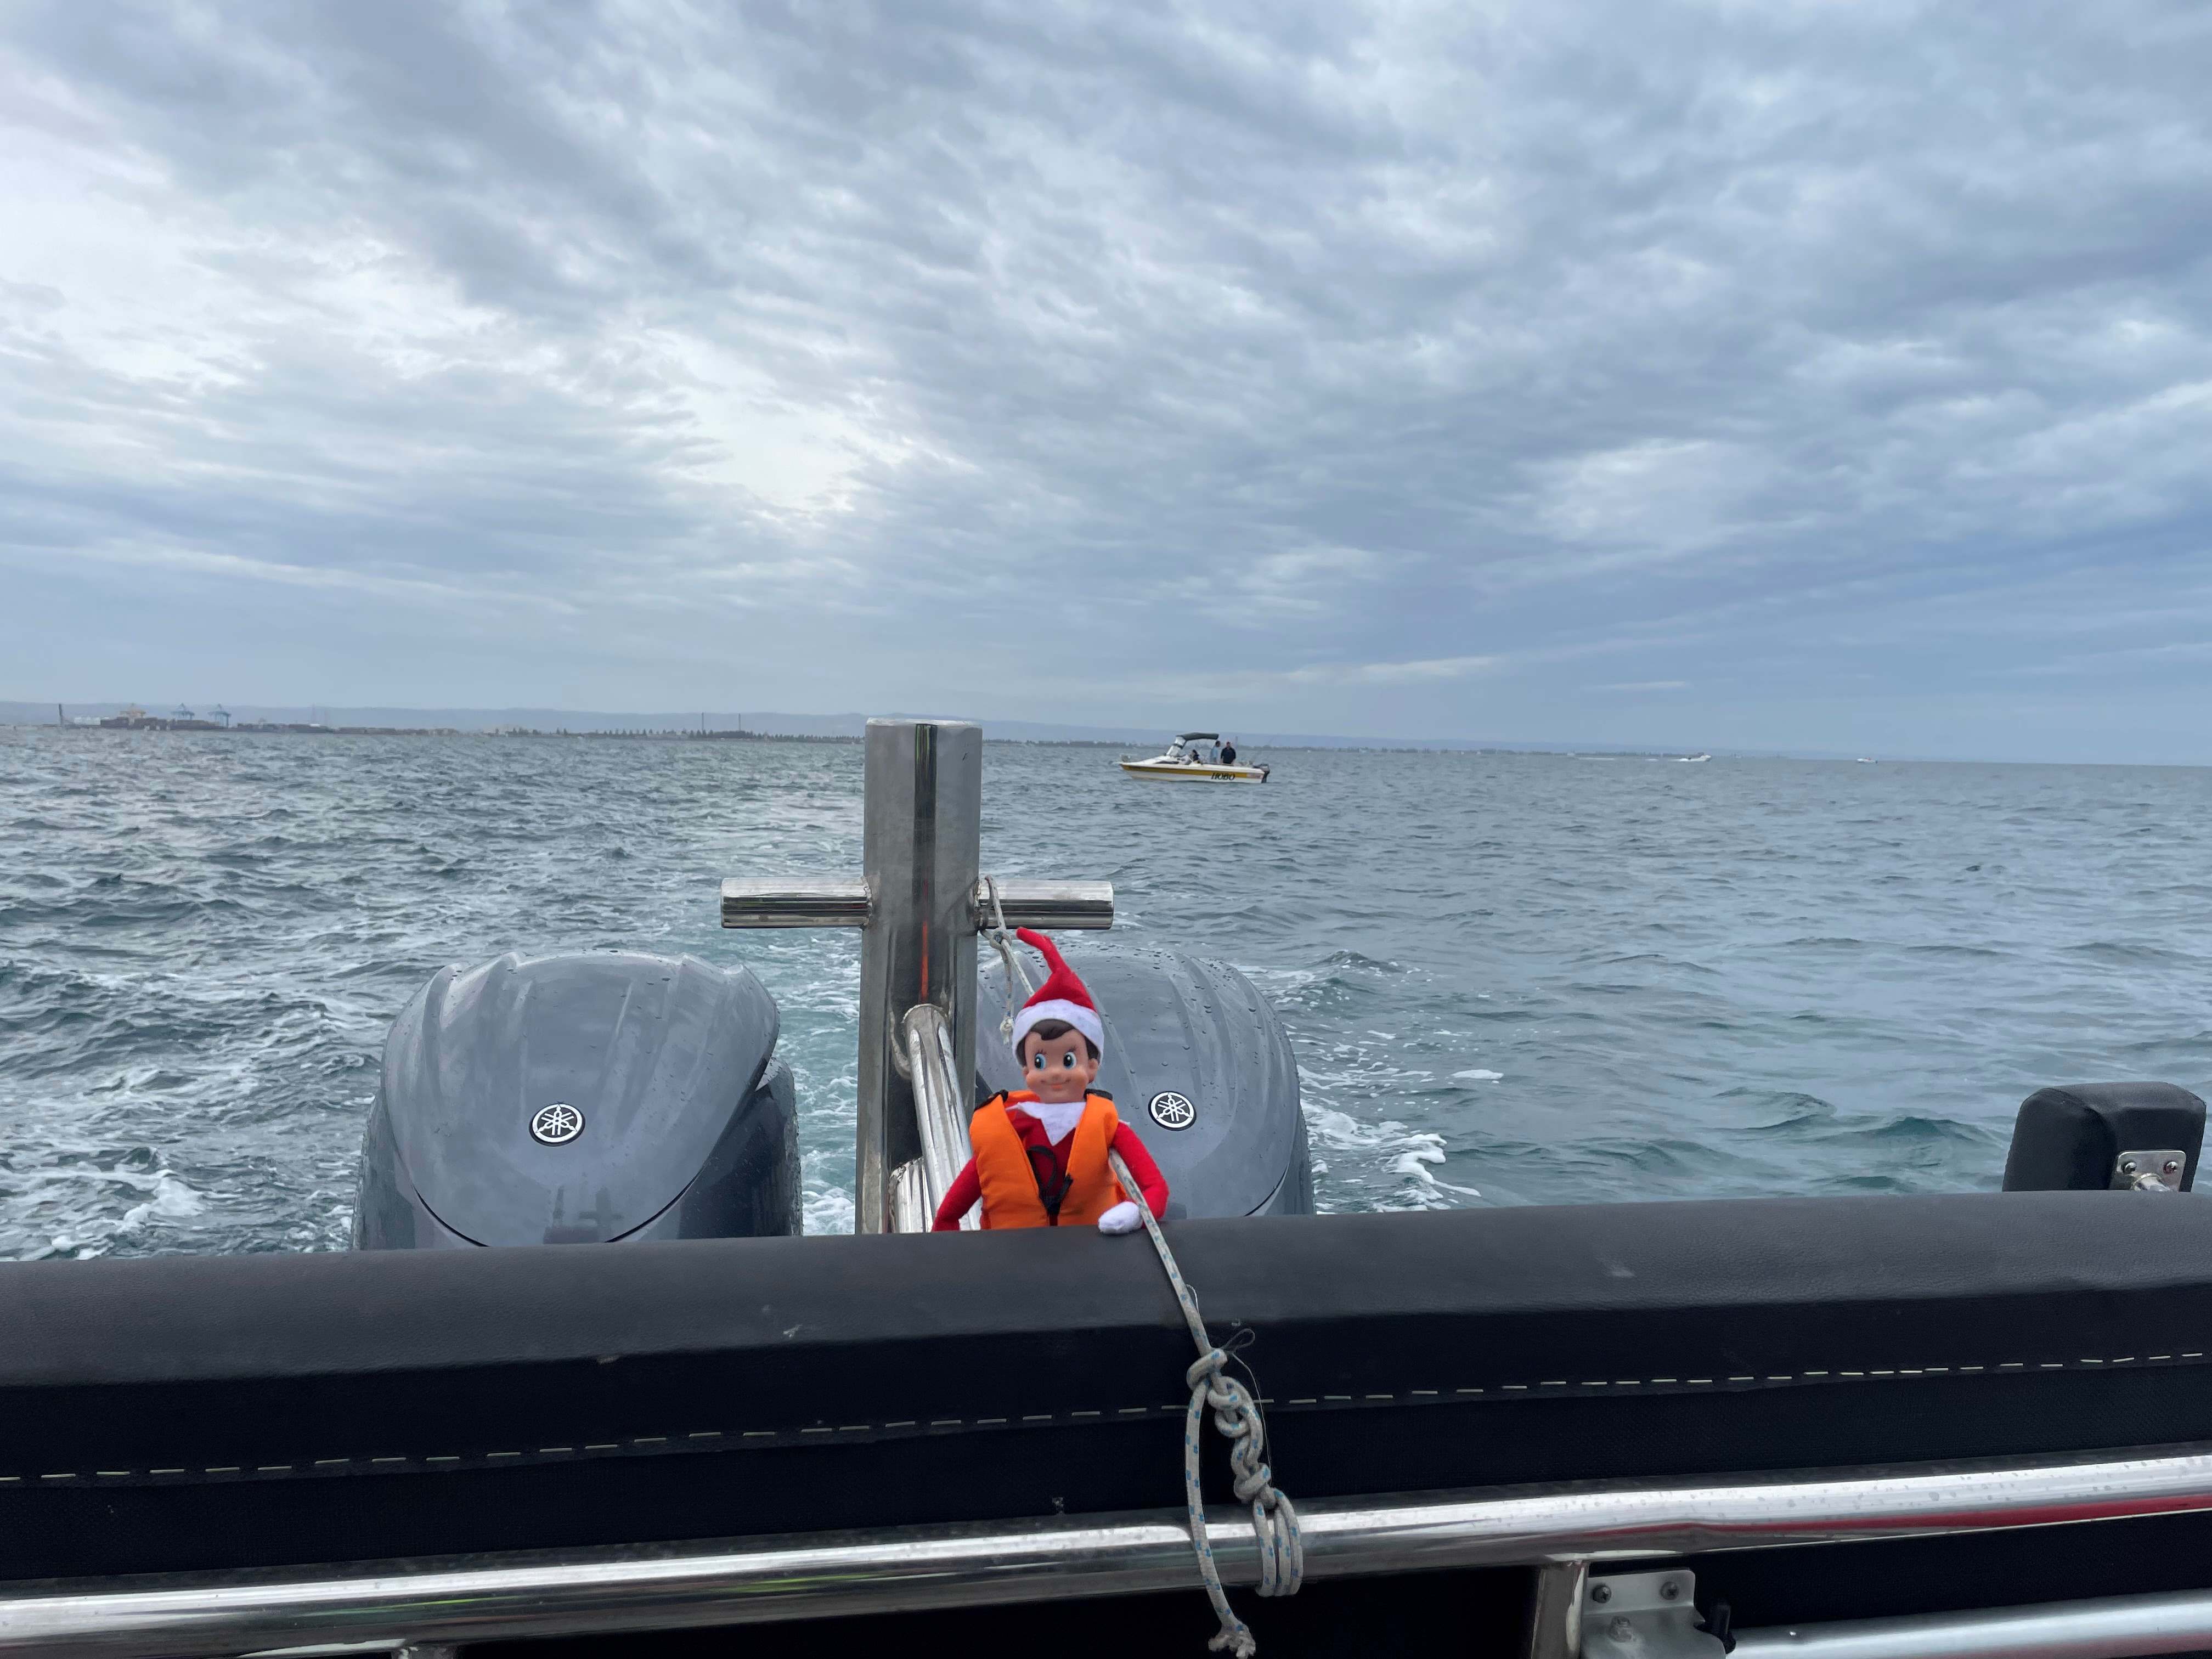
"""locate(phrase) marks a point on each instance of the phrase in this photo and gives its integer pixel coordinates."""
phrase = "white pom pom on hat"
(1061, 997)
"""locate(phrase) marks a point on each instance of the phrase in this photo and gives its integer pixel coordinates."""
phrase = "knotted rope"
(1003, 943)
(1236, 1414)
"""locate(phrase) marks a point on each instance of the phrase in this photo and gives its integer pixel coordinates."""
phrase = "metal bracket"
(1645, 1615)
(2156, 1171)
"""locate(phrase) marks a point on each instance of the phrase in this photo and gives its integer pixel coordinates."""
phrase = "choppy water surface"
(1511, 978)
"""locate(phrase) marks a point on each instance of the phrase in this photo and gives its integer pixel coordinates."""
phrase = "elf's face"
(1059, 1069)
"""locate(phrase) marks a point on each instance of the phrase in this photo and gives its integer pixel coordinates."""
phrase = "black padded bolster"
(183, 1413)
(2071, 1137)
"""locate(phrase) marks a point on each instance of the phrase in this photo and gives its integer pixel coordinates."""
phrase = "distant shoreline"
(848, 725)
(679, 734)
(313, 729)
(759, 725)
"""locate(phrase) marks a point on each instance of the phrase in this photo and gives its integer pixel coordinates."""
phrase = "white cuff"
(1123, 1218)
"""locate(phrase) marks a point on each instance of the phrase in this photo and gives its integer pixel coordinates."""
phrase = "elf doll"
(1040, 1152)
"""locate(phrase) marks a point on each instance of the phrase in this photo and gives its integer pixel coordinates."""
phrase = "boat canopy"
(1198, 736)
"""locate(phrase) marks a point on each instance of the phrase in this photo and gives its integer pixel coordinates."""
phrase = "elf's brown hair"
(1050, 1031)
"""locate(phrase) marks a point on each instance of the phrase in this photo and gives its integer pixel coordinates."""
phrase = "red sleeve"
(1150, 1181)
(960, 1198)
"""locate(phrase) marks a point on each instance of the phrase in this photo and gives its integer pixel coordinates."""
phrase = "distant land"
(779, 724)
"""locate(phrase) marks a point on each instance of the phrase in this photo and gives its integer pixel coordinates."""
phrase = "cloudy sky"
(1746, 373)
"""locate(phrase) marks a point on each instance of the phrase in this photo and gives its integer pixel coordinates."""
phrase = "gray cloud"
(1377, 366)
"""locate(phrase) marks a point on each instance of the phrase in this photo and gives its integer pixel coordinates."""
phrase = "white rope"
(1236, 1414)
(1003, 943)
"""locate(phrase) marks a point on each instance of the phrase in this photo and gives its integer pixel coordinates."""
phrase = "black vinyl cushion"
(2071, 1137)
(181, 1414)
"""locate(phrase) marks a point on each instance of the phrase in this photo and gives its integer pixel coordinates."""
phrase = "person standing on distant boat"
(1040, 1152)
(1229, 752)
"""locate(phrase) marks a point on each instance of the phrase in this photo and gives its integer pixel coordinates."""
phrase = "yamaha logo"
(556, 1124)
(1173, 1111)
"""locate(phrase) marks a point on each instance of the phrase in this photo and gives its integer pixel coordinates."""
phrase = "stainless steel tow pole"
(919, 903)
(921, 841)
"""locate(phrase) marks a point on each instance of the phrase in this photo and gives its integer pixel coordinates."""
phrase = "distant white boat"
(1866, 760)
(1691, 760)
(1181, 762)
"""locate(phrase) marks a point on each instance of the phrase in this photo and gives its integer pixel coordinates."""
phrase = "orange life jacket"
(1010, 1180)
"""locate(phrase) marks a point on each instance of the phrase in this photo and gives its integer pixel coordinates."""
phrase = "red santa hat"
(1061, 997)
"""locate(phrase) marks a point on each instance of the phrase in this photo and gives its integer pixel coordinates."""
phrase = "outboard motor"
(1199, 1064)
(580, 1099)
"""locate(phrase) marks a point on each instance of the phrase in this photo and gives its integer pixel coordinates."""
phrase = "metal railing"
(921, 1183)
(907, 1569)
(2116, 1627)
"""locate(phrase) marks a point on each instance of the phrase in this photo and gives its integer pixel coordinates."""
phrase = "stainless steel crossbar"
(912, 1568)
(1050, 906)
(785, 901)
(833, 902)
(2114, 1628)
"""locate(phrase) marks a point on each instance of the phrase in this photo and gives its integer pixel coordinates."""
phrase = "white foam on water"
(142, 1180)
(1346, 1133)
(1480, 1075)
(172, 1199)
(1413, 1164)
(1379, 1159)
(83, 1192)
(828, 1210)
(1388, 1148)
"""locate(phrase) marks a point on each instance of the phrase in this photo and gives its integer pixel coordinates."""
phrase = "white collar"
(1059, 1119)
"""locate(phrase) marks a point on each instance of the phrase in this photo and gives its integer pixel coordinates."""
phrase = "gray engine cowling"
(1199, 1064)
(581, 1099)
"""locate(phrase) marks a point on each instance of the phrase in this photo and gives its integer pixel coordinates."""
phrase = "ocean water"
(1511, 978)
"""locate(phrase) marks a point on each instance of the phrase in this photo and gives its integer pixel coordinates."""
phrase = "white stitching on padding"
(1320, 1401)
